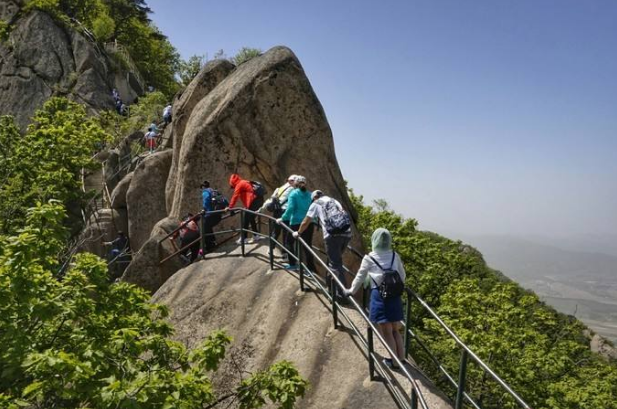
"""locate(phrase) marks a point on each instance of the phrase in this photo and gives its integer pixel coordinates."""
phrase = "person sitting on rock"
(298, 204)
(189, 237)
(167, 114)
(243, 190)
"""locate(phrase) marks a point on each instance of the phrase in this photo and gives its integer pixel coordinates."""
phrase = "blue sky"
(474, 117)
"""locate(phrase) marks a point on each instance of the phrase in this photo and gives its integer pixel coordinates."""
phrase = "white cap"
(316, 194)
(300, 179)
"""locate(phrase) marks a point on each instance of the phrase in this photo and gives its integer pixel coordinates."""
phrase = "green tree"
(46, 162)
(83, 342)
(188, 69)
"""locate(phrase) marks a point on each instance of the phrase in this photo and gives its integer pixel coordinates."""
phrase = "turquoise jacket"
(298, 203)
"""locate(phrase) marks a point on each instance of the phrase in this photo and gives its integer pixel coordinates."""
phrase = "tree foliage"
(188, 69)
(46, 162)
(83, 342)
(245, 54)
(540, 353)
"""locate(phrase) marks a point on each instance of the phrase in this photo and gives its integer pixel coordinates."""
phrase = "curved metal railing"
(462, 397)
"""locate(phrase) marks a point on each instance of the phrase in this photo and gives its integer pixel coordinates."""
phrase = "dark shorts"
(384, 311)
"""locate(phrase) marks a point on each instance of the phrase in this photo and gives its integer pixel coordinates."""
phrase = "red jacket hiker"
(243, 190)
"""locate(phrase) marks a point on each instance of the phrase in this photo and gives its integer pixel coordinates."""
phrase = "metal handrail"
(416, 393)
(467, 352)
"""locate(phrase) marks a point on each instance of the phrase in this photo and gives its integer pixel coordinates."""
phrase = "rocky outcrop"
(42, 58)
(603, 347)
(270, 319)
(118, 196)
(207, 79)
(145, 197)
(262, 120)
(146, 269)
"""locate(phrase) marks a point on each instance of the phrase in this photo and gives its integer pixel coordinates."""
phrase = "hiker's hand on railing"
(295, 234)
(347, 293)
(279, 221)
(227, 209)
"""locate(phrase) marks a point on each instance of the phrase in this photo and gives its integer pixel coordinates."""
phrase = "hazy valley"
(577, 282)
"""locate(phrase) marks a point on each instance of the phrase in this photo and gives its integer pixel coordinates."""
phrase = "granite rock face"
(261, 120)
(41, 59)
(145, 197)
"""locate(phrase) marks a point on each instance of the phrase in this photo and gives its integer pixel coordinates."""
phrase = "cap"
(300, 179)
(316, 194)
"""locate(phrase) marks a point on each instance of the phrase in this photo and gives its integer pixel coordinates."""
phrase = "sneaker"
(239, 241)
(389, 363)
(290, 267)
(250, 241)
(258, 237)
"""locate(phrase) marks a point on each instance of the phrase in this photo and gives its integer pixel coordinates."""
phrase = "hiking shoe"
(389, 363)
(258, 237)
(239, 241)
(293, 267)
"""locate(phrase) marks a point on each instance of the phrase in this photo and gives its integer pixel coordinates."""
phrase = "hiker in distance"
(298, 204)
(386, 273)
(189, 234)
(245, 192)
(335, 226)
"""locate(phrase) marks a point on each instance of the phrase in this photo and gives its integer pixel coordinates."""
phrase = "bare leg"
(387, 334)
(398, 340)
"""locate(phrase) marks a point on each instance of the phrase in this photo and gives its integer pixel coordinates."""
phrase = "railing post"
(271, 243)
(334, 307)
(365, 298)
(300, 269)
(203, 237)
(408, 324)
(414, 398)
(371, 362)
(462, 375)
(242, 231)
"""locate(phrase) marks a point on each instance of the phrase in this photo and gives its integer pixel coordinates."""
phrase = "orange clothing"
(243, 190)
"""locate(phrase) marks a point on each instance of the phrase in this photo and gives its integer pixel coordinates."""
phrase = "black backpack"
(392, 286)
(258, 189)
(219, 202)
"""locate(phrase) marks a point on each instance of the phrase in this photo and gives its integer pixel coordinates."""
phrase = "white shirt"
(167, 110)
(316, 211)
(375, 273)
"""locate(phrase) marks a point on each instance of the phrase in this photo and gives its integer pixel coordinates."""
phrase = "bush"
(245, 54)
(103, 27)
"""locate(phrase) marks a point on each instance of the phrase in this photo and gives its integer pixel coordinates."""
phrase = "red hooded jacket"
(243, 190)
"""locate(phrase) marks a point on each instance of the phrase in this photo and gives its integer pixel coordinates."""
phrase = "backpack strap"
(380, 267)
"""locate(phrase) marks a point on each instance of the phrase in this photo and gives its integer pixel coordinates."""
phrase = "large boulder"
(207, 79)
(145, 198)
(41, 59)
(263, 121)
(146, 269)
(118, 195)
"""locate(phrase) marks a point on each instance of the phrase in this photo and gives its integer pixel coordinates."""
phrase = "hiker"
(277, 204)
(119, 245)
(336, 228)
(244, 190)
(119, 105)
(189, 234)
(299, 202)
(167, 114)
(211, 200)
(153, 127)
(115, 94)
(150, 138)
(386, 307)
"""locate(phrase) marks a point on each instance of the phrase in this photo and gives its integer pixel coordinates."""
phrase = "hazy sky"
(476, 117)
